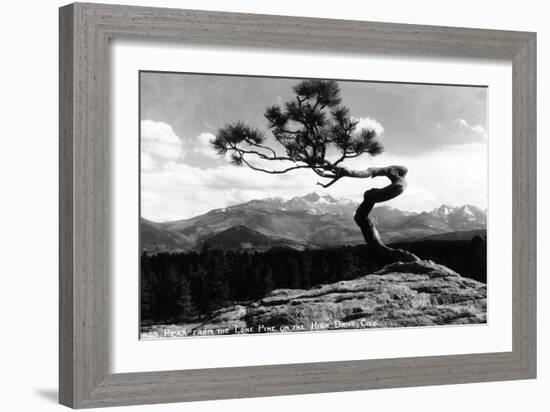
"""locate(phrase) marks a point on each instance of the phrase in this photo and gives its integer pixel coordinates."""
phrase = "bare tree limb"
(273, 172)
(324, 186)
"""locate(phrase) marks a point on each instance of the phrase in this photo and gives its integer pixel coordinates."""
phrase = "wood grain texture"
(524, 225)
(66, 229)
(85, 31)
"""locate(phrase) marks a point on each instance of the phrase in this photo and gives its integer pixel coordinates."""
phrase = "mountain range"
(309, 221)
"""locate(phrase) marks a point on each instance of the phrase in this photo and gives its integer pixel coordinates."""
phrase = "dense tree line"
(183, 287)
(469, 258)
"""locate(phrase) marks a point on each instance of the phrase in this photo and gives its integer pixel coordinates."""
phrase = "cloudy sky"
(438, 132)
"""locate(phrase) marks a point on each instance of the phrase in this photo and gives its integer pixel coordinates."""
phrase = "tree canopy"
(305, 128)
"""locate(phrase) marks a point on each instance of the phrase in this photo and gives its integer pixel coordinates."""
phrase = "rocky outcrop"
(419, 293)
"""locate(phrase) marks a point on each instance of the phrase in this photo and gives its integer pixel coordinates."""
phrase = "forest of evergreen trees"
(185, 287)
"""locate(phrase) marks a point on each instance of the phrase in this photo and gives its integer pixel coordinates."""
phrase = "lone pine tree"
(304, 130)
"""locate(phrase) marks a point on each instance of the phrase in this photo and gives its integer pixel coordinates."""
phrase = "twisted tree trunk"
(398, 184)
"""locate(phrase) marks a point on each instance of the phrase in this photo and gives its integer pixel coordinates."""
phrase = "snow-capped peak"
(443, 210)
(317, 198)
(315, 203)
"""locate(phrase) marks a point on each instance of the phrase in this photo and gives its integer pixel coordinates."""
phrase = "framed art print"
(266, 205)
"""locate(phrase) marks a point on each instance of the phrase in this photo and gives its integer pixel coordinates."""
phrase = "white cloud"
(180, 191)
(454, 174)
(203, 146)
(465, 127)
(369, 123)
(147, 162)
(479, 130)
(159, 141)
(171, 189)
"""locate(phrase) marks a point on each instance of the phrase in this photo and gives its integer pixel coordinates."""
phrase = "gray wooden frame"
(85, 31)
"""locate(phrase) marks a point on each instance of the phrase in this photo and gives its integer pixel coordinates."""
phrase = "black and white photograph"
(284, 205)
